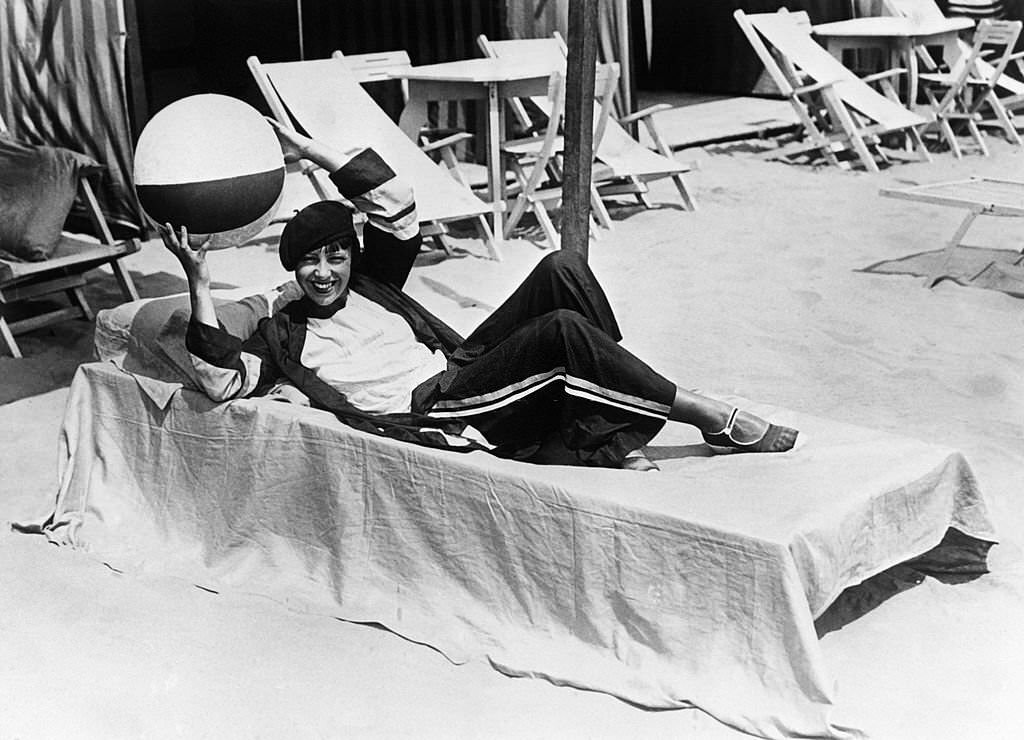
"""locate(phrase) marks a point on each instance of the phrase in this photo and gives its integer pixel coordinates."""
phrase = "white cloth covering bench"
(698, 585)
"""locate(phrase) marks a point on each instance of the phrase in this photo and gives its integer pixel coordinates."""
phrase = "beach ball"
(210, 163)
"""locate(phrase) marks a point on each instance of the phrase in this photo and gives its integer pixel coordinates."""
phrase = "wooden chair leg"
(1003, 116)
(124, 280)
(972, 126)
(545, 222)
(915, 136)
(600, 212)
(483, 229)
(442, 242)
(518, 209)
(857, 142)
(8, 336)
(689, 202)
(77, 298)
(642, 199)
(950, 137)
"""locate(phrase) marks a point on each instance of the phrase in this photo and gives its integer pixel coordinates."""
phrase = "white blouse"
(370, 354)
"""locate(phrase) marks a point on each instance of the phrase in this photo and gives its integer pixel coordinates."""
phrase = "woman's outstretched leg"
(562, 281)
(728, 429)
(725, 429)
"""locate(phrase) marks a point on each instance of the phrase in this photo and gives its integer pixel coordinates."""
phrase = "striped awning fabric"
(62, 72)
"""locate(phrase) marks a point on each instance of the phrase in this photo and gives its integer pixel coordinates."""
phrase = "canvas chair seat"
(325, 98)
(71, 254)
(839, 111)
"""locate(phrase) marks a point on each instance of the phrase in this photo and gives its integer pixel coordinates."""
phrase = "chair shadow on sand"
(976, 267)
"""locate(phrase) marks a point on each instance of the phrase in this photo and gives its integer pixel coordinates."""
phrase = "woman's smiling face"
(323, 274)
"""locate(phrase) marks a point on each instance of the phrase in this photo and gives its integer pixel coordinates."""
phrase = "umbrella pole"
(579, 125)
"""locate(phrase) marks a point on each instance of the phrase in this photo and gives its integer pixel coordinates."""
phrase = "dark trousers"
(543, 378)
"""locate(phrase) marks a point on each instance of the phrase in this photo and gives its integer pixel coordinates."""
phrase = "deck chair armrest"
(814, 87)
(447, 141)
(643, 113)
(440, 131)
(524, 142)
(885, 74)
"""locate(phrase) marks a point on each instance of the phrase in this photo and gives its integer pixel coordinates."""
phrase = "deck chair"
(629, 165)
(1008, 91)
(838, 110)
(959, 95)
(536, 160)
(64, 271)
(326, 100)
(378, 67)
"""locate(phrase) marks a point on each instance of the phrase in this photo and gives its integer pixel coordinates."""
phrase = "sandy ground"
(759, 293)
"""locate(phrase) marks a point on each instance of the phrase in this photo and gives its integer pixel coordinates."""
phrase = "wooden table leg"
(912, 73)
(495, 164)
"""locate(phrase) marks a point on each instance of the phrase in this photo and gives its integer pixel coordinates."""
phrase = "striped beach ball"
(210, 163)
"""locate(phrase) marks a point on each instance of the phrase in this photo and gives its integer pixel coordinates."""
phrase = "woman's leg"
(726, 428)
(560, 281)
(558, 389)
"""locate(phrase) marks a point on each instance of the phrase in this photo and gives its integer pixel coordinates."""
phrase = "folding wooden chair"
(1009, 86)
(629, 165)
(64, 271)
(324, 96)
(535, 160)
(838, 110)
(959, 95)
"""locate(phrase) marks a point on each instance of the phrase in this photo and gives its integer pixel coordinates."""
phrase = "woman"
(542, 379)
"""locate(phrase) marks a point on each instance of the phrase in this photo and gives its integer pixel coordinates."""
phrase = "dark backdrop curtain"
(200, 46)
(698, 47)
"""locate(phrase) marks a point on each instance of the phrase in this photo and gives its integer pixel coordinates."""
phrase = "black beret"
(314, 226)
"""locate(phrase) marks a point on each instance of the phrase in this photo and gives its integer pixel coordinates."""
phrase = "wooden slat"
(45, 319)
(27, 291)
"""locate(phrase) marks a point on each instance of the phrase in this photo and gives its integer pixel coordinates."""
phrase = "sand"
(760, 293)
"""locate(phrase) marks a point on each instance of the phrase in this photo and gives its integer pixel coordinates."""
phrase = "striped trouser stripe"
(487, 402)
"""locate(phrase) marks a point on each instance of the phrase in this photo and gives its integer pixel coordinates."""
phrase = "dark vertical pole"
(579, 125)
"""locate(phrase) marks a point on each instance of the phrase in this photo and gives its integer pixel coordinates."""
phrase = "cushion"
(147, 337)
(37, 188)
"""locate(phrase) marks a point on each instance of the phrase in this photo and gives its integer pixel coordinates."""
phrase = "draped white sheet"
(697, 585)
